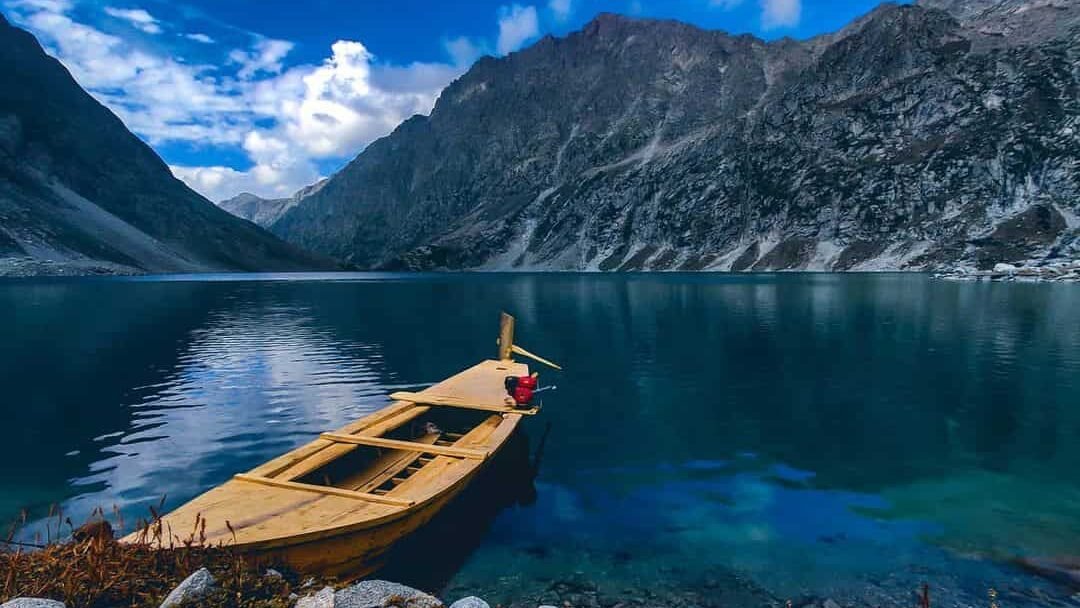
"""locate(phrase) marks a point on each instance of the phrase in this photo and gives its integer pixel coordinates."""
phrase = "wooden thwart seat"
(409, 446)
(449, 401)
(328, 490)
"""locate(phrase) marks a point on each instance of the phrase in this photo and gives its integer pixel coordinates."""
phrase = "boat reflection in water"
(429, 558)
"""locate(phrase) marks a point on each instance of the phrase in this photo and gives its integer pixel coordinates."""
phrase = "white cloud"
(561, 9)
(265, 56)
(137, 17)
(775, 14)
(517, 25)
(197, 37)
(335, 109)
(219, 183)
(463, 51)
(780, 13)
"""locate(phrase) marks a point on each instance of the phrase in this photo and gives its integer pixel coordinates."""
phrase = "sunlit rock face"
(939, 134)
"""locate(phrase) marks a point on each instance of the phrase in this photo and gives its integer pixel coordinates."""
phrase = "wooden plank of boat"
(474, 388)
(329, 490)
(408, 446)
(451, 401)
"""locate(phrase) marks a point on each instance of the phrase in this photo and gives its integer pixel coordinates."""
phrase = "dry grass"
(92, 570)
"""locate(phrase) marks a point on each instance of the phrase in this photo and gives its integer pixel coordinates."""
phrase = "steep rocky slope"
(944, 133)
(79, 193)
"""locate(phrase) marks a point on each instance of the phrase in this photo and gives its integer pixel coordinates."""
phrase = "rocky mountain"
(79, 193)
(943, 133)
(263, 211)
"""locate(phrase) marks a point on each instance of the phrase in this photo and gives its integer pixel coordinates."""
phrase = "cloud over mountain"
(285, 119)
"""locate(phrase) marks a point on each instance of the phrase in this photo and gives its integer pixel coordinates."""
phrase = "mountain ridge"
(913, 138)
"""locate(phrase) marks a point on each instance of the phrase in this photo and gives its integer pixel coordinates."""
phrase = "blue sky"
(268, 96)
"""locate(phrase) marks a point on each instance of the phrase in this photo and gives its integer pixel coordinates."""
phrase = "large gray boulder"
(470, 602)
(194, 588)
(382, 594)
(323, 599)
(32, 602)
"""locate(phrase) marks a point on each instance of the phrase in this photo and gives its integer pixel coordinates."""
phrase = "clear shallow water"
(810, 432)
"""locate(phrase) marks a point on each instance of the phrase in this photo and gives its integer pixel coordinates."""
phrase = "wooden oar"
(517, 350)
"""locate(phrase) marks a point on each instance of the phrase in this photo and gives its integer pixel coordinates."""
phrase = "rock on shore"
(380, 594)
(194, 588)
(470, 602)
(32, 602)
(1059, 272)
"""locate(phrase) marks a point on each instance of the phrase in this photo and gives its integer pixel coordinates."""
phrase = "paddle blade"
(524, 353)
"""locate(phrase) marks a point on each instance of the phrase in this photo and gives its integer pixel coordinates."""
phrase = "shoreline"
(1032, 272)
(1057, 272)
(93, 570)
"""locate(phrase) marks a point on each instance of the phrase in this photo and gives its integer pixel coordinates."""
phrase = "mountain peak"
(243, 197)
(614, 23)
(608, 17)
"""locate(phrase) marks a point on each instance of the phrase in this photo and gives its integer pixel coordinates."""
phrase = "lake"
(760, 436)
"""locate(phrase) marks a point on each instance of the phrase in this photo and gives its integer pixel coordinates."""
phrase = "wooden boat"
(336, 505)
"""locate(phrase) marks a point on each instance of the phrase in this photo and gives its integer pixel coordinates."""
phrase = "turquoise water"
(811, 434)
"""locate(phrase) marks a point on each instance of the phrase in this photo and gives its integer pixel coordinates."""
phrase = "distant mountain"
(263, 211)
(937, 134)
(79, 193)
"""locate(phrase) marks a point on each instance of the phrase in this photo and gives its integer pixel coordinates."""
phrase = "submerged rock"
(323, 599)
(380, 594)
(1063, 570)
(32, 602)
(194, 588)
(470, 602)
